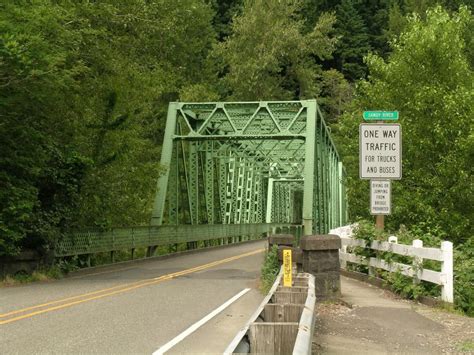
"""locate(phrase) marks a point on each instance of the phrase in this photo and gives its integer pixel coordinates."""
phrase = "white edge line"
(199, 323)
(231, 347)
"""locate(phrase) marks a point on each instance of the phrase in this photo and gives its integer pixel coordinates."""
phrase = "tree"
(428, 79)
(40, 169)
(158, 52)
(336, 95)
(84, 88)
(269, 57)
(225, 10)
(354, 41)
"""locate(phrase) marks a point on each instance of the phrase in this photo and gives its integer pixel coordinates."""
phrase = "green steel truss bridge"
(235, 170)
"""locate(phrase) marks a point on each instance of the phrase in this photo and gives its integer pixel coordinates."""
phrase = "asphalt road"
(135, 308)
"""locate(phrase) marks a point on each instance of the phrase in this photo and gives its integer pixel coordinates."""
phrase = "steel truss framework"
(250, 162)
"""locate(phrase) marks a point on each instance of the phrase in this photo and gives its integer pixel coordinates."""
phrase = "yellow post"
(287, 265)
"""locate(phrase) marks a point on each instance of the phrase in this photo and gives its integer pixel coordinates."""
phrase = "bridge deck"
(135, 308)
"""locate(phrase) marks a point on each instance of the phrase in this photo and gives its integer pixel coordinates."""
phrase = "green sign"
(380, 115)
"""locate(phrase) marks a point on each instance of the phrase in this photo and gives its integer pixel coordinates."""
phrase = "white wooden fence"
(416, 251)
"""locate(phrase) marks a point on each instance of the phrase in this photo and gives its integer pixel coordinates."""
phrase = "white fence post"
(344, 262)
(447, 292)
(418, 253)
(417, 262)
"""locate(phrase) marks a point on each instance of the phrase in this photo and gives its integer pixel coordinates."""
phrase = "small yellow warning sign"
(287, 265)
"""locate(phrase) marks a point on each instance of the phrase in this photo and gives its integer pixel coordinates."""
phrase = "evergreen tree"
(353, 44)
(225, 10)
(375, 14)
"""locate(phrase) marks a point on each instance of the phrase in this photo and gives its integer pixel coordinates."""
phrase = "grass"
(270, 269)
(467, 346)
(45, 274)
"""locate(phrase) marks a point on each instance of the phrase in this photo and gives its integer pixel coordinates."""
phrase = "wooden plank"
(406, 270)
(352, 258)
(432, 276)
(294, 288)
(408, 250)
(301, 280)
(429, 253)
(286, 336)
(272, 338)
(289, 297)
(353, 242)
(300, 284)
(275, 312)
(262, 338)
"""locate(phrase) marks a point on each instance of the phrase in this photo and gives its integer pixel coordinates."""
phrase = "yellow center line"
(66, 299)
(125, 287)
(103, 272)
(78, 296)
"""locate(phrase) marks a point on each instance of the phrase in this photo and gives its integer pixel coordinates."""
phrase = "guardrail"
(284, 321)
(416, 251)
(96, 241)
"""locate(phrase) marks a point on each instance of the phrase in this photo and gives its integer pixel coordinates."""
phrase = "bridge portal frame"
(224, 153)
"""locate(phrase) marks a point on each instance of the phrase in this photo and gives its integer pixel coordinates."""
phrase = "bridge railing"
(96, 241)
(416, 251)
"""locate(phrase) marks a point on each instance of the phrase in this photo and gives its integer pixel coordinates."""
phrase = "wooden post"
(380, 219)
(379, 222)
(344, 262)
(417, 262)
(447, 293)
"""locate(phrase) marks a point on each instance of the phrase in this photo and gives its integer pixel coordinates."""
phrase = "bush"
(431, 237)
(464, 277)
(270, 269)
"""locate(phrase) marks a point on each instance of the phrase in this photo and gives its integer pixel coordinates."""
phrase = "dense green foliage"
(463, 264)
(269, 56)
(270, 269)
(83, 91)
(428, 78)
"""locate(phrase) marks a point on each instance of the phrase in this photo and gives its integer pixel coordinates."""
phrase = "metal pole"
(379, 222)
(310, 148)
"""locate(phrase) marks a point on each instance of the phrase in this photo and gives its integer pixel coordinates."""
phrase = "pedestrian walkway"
(374, 321)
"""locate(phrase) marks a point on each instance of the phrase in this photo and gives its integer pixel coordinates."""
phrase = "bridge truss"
(250, 162)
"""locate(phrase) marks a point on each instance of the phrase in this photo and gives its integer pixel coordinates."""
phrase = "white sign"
(380, 148)
(380, 197)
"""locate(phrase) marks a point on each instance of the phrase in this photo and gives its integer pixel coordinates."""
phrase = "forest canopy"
(84, 88)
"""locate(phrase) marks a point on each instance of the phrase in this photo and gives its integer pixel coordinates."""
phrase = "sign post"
(380, 159)
(287, 268)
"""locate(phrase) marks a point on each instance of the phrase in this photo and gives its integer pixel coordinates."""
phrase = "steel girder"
(250, 162)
